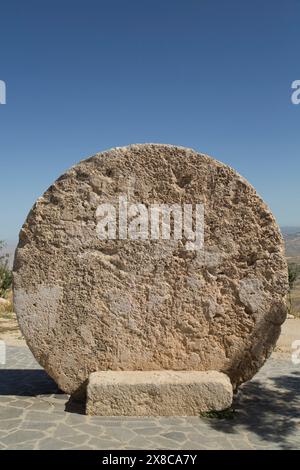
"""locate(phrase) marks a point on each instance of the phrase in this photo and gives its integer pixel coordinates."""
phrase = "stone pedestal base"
(157, 393)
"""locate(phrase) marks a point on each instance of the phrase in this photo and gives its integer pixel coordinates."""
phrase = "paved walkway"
(33, 415)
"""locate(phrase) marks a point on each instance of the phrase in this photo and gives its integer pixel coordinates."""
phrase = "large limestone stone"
(157, 393)
(86, 304)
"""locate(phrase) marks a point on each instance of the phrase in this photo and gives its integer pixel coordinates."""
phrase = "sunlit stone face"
(195, 291)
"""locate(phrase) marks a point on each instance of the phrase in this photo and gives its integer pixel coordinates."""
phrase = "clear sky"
(84, 76)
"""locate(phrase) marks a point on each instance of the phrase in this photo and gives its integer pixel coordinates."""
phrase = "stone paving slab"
(35, 415)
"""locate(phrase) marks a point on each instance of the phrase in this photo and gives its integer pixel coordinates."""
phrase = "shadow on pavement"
(75, 406)
(26, 382)
(271, 410)
(34, 382)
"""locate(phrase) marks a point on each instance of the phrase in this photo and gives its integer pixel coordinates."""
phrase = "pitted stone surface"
(157, 393)
(86, 304)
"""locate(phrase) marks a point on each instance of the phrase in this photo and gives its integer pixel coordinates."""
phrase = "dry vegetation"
(9, 328)
(292, 243)
(295, 295)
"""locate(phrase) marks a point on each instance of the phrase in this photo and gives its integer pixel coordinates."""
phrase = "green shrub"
(5, 273)
(294, 272)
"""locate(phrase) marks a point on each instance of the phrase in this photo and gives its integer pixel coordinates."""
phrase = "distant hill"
(292, 243)
(292, 250)
(290, 230)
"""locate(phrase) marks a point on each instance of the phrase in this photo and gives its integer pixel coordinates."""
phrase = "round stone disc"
(135, 300)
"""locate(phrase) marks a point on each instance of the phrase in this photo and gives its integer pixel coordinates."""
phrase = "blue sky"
(83, 76)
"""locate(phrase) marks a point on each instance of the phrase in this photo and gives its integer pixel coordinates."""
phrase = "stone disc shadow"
(26, 382)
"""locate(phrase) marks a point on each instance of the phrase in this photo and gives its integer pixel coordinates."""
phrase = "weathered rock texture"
(159, 393)
(86, 304)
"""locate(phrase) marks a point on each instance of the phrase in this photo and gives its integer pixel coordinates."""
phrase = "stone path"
(35, 415)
